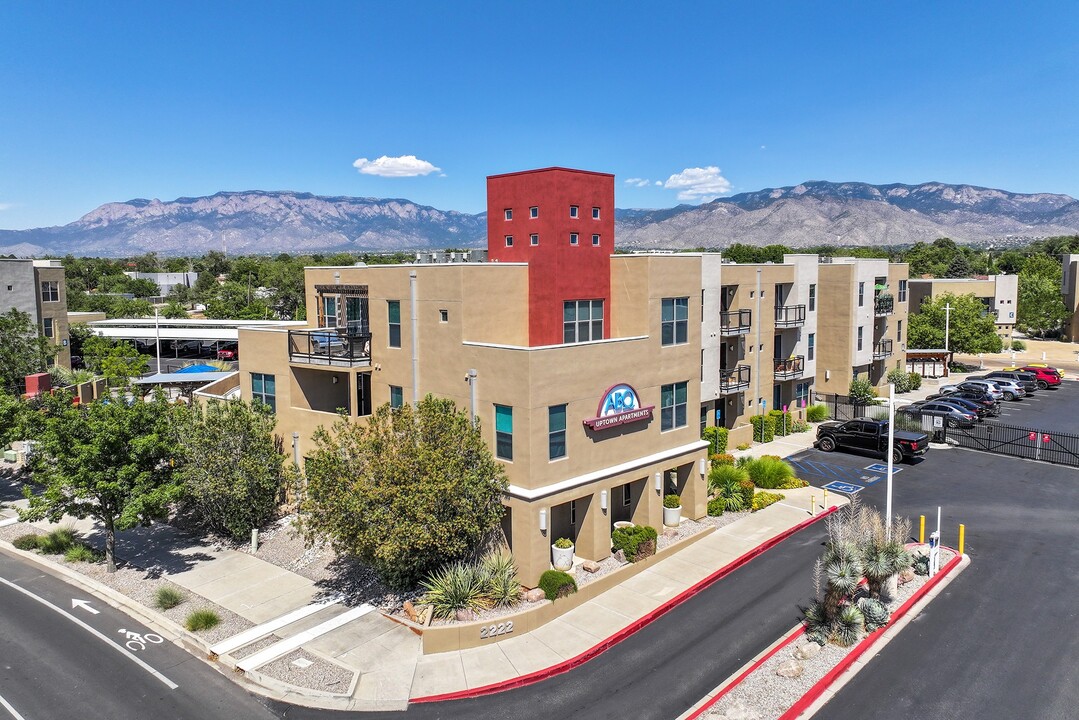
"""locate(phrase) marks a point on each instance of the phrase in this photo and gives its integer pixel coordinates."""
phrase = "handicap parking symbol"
(882, 468)
(846, 488)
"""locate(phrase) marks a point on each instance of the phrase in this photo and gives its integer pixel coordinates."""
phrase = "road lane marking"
(131, 656)
(7, 706)
(252, 634)
(85, 605)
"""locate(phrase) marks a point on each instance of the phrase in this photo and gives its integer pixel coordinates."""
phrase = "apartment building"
(1070, 290)
(37, 288)
(999, 294)
(863, 318)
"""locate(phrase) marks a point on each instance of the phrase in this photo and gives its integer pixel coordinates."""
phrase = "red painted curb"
(567, 665)
(821, 685)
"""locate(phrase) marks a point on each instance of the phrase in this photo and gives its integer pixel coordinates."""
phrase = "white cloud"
(698, 183)
(6, 206)
(637, 182)
(659, 183)
(404, 166)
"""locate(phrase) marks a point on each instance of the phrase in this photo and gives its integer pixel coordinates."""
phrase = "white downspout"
(415, 340)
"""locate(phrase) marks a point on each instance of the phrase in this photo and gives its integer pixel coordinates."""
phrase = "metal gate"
(1021, 442)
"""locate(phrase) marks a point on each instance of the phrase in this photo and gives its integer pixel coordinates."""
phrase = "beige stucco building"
(37, 288)
(999, 294)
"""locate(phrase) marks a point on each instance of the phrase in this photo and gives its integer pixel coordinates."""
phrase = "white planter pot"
(622, 524)
(672, 517)
(562, 559)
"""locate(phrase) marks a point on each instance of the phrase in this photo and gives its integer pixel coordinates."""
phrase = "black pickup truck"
(871, 436)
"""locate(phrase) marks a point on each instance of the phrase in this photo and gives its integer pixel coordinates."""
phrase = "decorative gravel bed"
(257, 646)
(764, 695)
(313, 672)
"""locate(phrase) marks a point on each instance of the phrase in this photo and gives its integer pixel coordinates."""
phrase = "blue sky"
(112, 101)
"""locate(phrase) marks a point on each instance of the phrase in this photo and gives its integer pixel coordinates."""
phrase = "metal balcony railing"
(790, 368)
(790, 316)
(735, 322)
(734, 379)
(882, 350)
(329, 346)
(883, 305)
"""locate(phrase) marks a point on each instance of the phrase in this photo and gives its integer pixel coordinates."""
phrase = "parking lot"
(1050, 409)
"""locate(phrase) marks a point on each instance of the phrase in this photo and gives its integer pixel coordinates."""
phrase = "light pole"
(157, 339)
(947, 323)
(891, 450)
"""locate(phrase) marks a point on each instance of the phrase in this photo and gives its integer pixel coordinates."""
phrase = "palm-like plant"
(725, 481)
(848, 625)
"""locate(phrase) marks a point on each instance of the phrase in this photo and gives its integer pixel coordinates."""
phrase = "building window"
(627, 495)
(811, 346)
(533, 239)
(329, 312)
(902, 291)
(595, 240)
(264, 389)
(50, 291)
(673, 405)
(397, 396)
(556, 431)
(509, 213)
(801, 394)
(899, 331)
(509, 241)
(675, 321)
(363, 394)
(573, 238)
(861, 294)
(503, 432)
(704, 418)
(595, 213)
(812, 297)
(394, 308)
(574, 211)
(443, 315)
(46, 325)
(582, 321)
(860, 329)
(533, 212)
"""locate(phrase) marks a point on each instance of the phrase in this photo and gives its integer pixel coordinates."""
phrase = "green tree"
(959, 267)
(23, 350)
(174, 310)
(117, 361)
(1040, 304)
(971, 328)
(406, 492)
(14, 412)
(231, 466)
(106, 460)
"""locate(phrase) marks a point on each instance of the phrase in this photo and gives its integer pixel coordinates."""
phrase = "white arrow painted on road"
(84, 604)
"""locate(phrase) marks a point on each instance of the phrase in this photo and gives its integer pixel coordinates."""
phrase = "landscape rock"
(590, 566)
(906, 575)
(807, 651)
(790, 669)
(739, 710)
(465, 615)
(426, 614)
(410, 610)
(620, 556)
(534, 595)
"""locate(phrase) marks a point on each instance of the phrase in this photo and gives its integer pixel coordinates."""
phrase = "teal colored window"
(397, 396)
(673, 400)
(394, 309)
(504, 432)
(264, 389)
(556, 431)
(675, 321)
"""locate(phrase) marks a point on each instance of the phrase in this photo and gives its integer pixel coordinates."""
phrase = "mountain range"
(809, 214)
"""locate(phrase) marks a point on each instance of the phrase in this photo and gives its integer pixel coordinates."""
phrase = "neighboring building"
(863, 316)
(999, 294)
(594, 372)
(37, 288)
(166, 281)
(1070, 290)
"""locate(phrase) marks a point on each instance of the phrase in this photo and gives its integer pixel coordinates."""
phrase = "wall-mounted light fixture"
(543, 520)
(336, 277)
(659, 482)
(603, 500)
(703, 469)
(333, 379)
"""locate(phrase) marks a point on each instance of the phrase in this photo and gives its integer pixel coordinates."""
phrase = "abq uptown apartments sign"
(619, 405)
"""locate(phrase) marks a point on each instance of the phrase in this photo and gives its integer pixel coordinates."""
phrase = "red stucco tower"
(561, 222)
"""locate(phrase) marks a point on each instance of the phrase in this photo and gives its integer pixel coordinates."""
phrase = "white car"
(989, 388)
(1011, 389)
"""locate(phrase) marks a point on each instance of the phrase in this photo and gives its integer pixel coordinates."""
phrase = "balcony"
(882, 350)
(790, 316)
(883, 305)
(790, 368)
(735, 322)
(329, 346)
(733, 380)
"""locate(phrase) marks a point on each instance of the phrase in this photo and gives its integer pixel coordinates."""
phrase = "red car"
(229, 353)
(1044, 376)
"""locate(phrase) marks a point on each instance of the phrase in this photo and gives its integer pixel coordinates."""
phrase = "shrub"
(769, 472)
(781, 422)
(861, 391)
(744, 446)
(717, 439)
(915, 381)
(1019, 345)
(899, 378)
(557, 584)
(563, 543)
(747, 489)
(764, 428)
(202, 620)
(817, 413)
(30, 541)
(792, 484)
(81, 553)
(456, 586)
(672, 501)
(799, 426)
(636, 543)
(762, 499)
(58, 541)
(167, 597)
(716, 506)
(722, 459)
(501, 575)
(725, 482)
(848, 626)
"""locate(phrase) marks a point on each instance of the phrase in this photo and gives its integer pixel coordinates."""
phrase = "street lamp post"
(947, 323)
(891, 446)
(157, 339)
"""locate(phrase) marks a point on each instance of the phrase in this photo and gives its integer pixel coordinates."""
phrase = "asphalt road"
(1000, 642)
(1050, 409)
(51, 668)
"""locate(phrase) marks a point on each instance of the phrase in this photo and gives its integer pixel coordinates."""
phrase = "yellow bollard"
(812, 504)
(921, 531)
(962, 535)
(825, 505)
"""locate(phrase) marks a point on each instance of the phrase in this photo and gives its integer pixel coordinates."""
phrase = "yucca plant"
(848, 626)
(817, 626)
(875, 614)
(457, 586)
(725, 481)
(501, 572)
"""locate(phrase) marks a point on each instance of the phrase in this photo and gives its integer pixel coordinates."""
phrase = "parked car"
(1046, 377)
(953, 416)
(228, 352)
(1025, 380)
(1012, 390)
(963, 404)
(1058, 371)
(975, 396)
(983, 386)
(77, 362)
(871, 435)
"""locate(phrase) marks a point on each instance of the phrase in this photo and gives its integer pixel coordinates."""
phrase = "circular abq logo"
(619, 399)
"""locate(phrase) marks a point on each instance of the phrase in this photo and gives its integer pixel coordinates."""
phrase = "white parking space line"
(124, 651)
(7, 706)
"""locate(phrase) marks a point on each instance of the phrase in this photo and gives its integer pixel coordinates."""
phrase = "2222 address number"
(489, 631)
